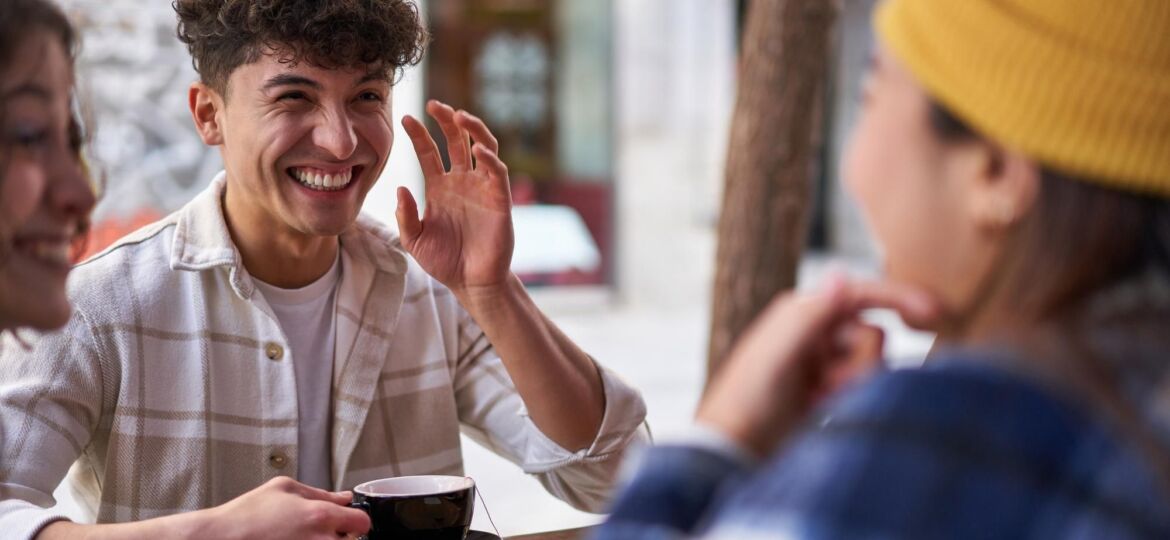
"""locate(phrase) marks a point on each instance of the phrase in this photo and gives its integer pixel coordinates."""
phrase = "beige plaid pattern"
(171, 388)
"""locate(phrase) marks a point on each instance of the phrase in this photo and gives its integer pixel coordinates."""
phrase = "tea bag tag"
(482, 501)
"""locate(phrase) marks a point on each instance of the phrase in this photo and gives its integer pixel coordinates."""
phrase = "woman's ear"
(1002, 186)
(206, 104)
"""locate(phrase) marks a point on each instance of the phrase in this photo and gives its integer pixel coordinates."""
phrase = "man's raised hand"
(465, 240)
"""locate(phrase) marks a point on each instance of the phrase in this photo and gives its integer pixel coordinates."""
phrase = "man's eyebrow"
(376, 75)
(28, 89)
(288, 79)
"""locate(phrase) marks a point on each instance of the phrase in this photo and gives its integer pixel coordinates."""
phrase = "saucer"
(480, 535)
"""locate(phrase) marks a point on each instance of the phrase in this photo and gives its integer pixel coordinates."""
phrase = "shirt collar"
(202, 240)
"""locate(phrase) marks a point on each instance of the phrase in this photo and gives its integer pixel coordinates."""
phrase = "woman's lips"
(51, 251)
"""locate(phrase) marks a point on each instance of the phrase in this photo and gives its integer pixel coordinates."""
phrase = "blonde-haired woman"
(1013, 161)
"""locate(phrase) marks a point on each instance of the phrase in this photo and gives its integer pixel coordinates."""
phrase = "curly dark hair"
(222, 35)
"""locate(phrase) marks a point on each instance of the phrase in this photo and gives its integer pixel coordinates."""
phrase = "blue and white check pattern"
(955, 450)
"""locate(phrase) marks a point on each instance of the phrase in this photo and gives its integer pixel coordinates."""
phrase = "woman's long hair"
(1088, 269)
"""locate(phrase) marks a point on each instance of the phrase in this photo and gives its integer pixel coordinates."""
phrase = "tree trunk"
(771, 158)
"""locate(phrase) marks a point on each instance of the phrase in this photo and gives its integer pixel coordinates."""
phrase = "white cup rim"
(414, 486)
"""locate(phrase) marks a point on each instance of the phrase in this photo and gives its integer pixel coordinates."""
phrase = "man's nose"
(335, 135)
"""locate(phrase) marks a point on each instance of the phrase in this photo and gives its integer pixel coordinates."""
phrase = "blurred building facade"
(618, 111)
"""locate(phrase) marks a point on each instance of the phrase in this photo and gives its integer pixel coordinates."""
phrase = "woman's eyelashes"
(28, 137)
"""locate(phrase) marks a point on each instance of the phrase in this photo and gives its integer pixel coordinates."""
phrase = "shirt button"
(278, 460)
(274, 351)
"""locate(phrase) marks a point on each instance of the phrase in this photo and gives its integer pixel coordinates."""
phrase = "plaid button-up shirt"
(172, 387)
(955, 450)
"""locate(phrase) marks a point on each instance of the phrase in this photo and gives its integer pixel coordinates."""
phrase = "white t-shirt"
(308, 318)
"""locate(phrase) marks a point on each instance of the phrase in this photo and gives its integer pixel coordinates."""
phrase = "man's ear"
(1002, 186)
(206, 105)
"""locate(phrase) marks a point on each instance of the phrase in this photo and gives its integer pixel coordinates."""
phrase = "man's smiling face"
(302, 144)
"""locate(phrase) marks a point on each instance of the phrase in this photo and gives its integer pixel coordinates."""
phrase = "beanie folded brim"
(1070, 107)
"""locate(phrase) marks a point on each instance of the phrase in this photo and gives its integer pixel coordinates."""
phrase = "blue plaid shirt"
(954, 450)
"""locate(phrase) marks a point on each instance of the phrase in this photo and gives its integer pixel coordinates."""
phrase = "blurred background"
(613, 117)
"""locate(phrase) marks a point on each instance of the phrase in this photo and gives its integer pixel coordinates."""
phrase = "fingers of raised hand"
(409, 225)
(424, 147)
(478, 130)
(495, 167)
(458, 140)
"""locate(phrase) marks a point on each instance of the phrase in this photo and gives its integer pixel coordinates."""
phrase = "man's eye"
(372, 96)
(287, 96)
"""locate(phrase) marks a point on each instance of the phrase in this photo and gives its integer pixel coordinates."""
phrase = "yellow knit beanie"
(1082, 86)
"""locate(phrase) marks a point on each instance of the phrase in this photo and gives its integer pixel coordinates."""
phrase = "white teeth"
(326, 182)
(56, 253)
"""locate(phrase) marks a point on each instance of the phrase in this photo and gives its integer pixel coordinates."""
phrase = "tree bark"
(773, 151)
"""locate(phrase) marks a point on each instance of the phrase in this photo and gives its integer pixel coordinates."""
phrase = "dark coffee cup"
(417, 507)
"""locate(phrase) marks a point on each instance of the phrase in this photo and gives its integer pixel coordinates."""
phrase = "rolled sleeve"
(494, 415)
(587, 479)
(621, 424)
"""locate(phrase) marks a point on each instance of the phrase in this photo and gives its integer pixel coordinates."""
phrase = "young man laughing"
(268, 329)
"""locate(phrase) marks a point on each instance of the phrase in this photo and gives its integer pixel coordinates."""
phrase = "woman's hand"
(801, 349)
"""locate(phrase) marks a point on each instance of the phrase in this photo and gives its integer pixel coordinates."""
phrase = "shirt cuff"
(624, 414)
